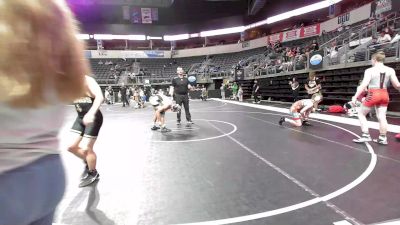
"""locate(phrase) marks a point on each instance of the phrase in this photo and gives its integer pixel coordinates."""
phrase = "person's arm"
(172, 87)
(306, 87)
(395, 82)
(95, 91)
(364, 84)
(305, 109)
(258, 87)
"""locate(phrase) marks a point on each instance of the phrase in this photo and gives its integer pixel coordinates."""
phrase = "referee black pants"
(124, 100)
(183, 99)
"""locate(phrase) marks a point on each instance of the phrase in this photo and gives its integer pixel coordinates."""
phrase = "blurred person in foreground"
(42, 67)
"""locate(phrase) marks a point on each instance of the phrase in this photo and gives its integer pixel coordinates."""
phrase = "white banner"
(146, 15)
(291, 35)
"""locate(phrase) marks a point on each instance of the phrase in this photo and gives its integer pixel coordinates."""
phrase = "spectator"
(333, 52)
(278, 46)
(294, 84)
(314, 46)
(384, 38)
(143, 96)
(234, 90)
(256, 92)
(240, 93)
(34, 90)
(222, 88)
(111, 92)
(389, 31)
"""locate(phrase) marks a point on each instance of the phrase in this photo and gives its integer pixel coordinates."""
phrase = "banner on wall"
(310, 31)
(154, 14)
(343, 18)
(146, 15)
(291, 35)
(316, 60)
(136, 15)
(275, 37)
(296, 34)
(239, 74)
(155, 54)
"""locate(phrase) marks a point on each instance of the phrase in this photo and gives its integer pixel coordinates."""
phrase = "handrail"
(348, 32)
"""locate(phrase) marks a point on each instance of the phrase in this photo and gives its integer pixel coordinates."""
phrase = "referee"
(180, 90)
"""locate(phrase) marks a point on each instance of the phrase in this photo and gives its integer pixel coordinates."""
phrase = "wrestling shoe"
(165, 130)
(155, 128)
(306, 123)
(363, 138)
(178, 122)
(85, 172)
(90, 178)
(281, 120)
(381, 140)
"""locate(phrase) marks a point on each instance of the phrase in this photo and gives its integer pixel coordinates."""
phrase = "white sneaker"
(363, 138)
(382, 141)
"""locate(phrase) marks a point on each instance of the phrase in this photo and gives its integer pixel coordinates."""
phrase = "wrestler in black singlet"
(82, 107)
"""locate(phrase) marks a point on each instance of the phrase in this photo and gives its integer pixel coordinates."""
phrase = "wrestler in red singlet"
(376, 79)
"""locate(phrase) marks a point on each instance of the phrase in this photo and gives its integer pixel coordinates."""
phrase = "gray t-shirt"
(28, 134)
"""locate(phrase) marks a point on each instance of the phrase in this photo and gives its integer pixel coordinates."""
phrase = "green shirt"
(235, 88)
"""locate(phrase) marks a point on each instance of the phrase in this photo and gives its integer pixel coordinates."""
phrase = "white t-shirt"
(28, 134)
(384, 39)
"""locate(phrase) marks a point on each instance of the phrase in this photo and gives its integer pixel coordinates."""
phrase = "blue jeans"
(30, 194)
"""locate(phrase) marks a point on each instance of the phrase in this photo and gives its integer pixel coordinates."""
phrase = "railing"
(344, 35)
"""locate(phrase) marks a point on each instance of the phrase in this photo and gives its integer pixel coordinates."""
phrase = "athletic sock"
(92, 172)
(365, 134)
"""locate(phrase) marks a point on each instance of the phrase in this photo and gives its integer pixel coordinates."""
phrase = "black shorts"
(91, 131)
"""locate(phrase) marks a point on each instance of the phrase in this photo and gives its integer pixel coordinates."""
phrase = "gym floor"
(235, 165)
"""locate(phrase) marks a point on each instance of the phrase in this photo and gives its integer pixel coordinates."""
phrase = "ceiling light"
(82, 36)
(176, 37)
(301, 11)
(230, 30)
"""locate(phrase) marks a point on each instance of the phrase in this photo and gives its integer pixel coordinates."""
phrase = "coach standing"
(180, 90)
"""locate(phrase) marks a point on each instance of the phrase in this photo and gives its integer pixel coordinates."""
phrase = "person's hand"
(88, 119)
